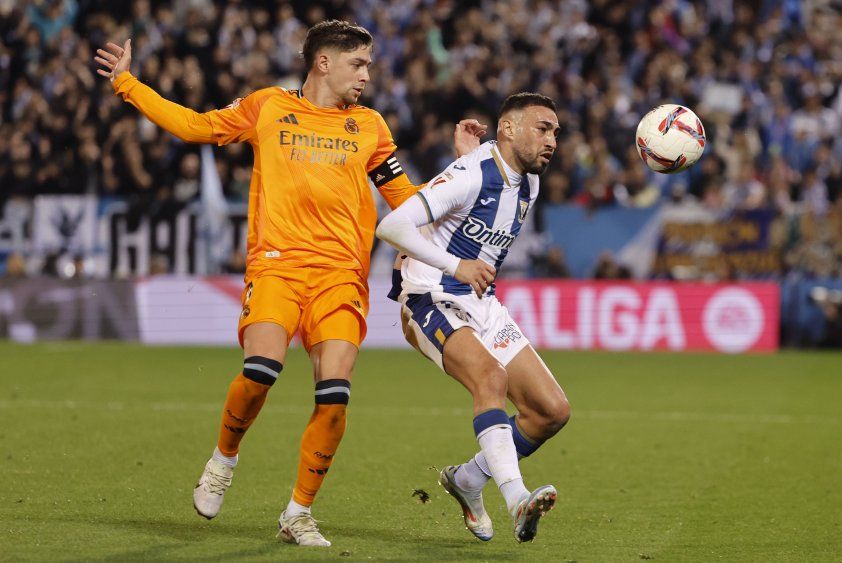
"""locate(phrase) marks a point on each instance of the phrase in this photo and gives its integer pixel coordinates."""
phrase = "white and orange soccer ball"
(670, 138)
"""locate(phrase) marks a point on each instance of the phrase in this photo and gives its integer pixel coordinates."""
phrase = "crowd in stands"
(764, 76)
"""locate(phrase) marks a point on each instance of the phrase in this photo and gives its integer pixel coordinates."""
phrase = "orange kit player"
(311, 226)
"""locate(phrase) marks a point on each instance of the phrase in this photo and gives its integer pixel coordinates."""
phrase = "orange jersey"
(310, 202)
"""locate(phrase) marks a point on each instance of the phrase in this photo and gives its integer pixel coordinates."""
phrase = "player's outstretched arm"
(115, 58)
(184, 123)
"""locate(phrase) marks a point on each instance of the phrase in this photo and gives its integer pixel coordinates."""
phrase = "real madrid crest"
(351, 126)
(524, 207)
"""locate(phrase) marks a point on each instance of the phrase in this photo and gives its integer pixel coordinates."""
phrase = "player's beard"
(533, 165)
(538, 167)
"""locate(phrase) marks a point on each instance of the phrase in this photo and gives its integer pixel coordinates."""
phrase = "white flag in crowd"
(214, 217)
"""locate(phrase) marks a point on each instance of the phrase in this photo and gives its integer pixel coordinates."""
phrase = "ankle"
(514, 492)
(229, 461)
(294, 509)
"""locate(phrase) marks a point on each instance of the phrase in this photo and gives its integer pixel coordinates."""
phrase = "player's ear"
(323, 62)
(506, 127)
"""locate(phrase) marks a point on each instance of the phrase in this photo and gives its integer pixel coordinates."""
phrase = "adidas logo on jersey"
(478, 231)
(289, 119)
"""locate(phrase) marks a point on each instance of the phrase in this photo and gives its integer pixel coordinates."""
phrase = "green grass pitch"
(667, 457)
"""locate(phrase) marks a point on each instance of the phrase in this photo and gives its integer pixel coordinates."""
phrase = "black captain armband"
(386, 172)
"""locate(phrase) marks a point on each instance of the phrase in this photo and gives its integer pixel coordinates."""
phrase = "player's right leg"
(270, 315)
(427, 325)
(264, 346)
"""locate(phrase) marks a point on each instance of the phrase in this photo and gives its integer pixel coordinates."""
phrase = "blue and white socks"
(494, 434)
(474, 473)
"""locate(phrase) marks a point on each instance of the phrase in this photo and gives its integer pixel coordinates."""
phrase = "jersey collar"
(505, 170)
(300, 94)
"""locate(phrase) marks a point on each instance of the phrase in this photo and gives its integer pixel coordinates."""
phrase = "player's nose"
(551, 143)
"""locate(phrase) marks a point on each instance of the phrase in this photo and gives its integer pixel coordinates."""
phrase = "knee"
(557, 415)
(552, 417)
(260, 372)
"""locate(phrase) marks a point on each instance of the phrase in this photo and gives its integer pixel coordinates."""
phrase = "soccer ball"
(670, 138)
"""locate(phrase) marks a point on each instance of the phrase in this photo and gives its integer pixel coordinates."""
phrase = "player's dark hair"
(335, 34)
(524, 100)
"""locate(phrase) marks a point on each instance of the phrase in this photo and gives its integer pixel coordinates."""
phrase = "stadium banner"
(64, 223)
(34, 309)
(564, 315)
(570, 315)
(618, 316)
(630, 234)
(707, 243)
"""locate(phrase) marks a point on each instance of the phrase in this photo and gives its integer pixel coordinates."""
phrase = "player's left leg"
(542, 411)
(333, 362)
(332, 332)
(542, 406)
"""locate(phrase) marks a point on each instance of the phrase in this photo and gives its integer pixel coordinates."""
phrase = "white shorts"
(429, 318)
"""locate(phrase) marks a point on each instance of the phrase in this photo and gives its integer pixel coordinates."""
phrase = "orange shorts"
(323, 304)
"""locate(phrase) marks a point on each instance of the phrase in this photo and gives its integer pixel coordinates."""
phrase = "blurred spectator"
(763, 76)
(607, 268)
(186, 186)
(15, 266)
(814, 193)
(551, 265)
(829, 301)
(745, 191)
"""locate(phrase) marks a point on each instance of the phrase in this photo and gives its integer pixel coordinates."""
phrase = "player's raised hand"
(475, 273)
(115, 58)
(467, 134)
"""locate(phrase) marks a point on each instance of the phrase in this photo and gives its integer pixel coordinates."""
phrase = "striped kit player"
(476, 208)
(456, 232)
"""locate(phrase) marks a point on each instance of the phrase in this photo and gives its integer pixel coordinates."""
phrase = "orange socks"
(246, 396)
(321, 438)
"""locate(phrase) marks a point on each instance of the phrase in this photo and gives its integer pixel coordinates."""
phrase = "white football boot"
(210, 490)
(301, 530)
(530, 510)
(476, 518)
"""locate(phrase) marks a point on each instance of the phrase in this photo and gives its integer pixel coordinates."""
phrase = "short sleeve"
(452, 189)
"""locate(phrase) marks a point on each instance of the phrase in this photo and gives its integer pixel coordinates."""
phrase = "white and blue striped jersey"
(476, 207)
